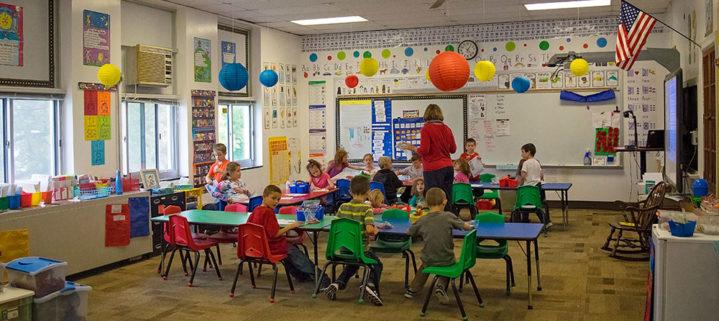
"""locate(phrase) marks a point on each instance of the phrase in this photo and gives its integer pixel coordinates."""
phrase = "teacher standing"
(436, 147)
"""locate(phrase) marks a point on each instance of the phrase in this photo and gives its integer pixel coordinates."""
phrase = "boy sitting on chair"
(297, 263)
(435, 229)
(358, 210)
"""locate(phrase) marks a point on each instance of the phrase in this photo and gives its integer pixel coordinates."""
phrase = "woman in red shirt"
(436, 147)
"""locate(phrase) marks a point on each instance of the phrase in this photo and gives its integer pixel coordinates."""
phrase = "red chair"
(253, 247)
(181, 237)
(236, 207)
(227, 235)
(294, 237)
(168, 210)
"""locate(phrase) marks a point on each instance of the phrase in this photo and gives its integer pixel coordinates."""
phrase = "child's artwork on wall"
(98, 152)
(11, 44)
(96, 110)
(95, 38)
(201, 60)
(279, 160)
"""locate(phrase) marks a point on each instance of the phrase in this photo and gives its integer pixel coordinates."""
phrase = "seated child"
(461, 171)
(531, 173)
(217, 170)
(417, 199)
(296, 262)
(436, 226)
(376, 200)
(232, 189)
(318, 179)
(414, 172)
(475, 162)
(369, 168)
(358, 210)
(389, 179)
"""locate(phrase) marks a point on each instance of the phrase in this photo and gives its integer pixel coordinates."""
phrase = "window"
(31, 136)
(150, 137)
(236, 129)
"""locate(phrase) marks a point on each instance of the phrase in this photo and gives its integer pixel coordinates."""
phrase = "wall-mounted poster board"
(234, 47)
(377, 124)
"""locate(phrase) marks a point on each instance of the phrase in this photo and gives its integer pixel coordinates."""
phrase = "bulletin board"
(233, 47)
(27, 57)
(377, 124)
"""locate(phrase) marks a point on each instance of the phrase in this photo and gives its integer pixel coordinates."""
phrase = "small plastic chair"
(396, 243)
(467, 259)
(344, 247)
(168, 210)
(182, 237)
(498, 250)
(529, 200)
(236, 207)
(490, 194)
(255, 201)
(253, 247)
(462, 197)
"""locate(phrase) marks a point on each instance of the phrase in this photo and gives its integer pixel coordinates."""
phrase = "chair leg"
(259, 270)
(214, 262)
(189, 260)
(616, 243)
(252, 274)
(197, 262)
(289, 278)
(414, 262)
(461, 281)
(406, 269)
(162, 257)
(476, 290)
(237, 275)
(219, 256)
(317, 285)
(204, 267)
(334, 272)
(511, 269)
(609, 239)
(169, 263)
(429, 294)
(365, 280)
(274, 283)
(184, 263)
(459, 301)
(304, 248)
(499, 205)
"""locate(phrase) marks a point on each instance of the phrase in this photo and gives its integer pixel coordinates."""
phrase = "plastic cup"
(26, 200)
(47, 197)
(35, 199)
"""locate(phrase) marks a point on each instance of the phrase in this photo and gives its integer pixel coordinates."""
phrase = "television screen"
(673, 129)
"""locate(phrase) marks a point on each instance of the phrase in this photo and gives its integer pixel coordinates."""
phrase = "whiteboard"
(354, 119)
(562, 131)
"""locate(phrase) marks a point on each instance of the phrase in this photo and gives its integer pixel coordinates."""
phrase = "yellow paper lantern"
(484, 70)
(109, 75)
(369, 67)
(426, 74)
(579, 67)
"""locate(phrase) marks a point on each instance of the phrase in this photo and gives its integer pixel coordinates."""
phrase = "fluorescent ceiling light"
(329, 21)
(567, 4)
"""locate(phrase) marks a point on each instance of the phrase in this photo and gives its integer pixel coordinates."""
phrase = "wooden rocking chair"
(638, 219)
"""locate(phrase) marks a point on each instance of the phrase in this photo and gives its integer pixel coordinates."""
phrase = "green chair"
(490, 194)
(467, 259)
(529, 200)
(344, 247)
(396, 243)
(498, 250)
(462, 197)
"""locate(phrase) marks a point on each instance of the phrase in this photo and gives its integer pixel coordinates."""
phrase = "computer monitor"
(673, 129)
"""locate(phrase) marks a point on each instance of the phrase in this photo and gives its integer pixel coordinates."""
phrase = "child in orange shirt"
(217, 170)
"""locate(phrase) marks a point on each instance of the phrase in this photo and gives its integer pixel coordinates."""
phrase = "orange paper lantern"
(351, 81)
(449, 71)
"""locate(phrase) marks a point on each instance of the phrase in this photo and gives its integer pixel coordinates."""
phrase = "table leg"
(536, 260)
(529, 274)
(565, 208)
(314, 245)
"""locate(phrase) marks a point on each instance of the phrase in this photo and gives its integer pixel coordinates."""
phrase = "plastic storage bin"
(319, 213)
(15, 304)
(682, 230)
(42, 275)
(299, 187)
(68, 304)
(14, 202)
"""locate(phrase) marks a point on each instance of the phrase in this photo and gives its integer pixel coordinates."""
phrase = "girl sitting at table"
(376, 200)
(318, 179)
(417, 199)
(232, 189)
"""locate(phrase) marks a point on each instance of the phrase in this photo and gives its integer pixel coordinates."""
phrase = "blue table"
(562, 188)
(528, 232)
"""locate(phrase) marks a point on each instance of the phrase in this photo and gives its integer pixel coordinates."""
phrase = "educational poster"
(202, 62)
(117, 225)
(229, 52)
(318, 131)
(406, 130)
(557, 80)
(570, 80)
(477, 111)
(95, 38)
(279, 160)
(98, 152)
(644, 96)
(318, 92)
(504, 82)
(598, 79)
(96, 111)
(502, 127)
(382, 127)
(708, 17)
(356, 137)
(11, 35)
(544, 81)
(612, 78)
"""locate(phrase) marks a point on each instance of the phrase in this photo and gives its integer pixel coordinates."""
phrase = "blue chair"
(343, 190)
(255, 201)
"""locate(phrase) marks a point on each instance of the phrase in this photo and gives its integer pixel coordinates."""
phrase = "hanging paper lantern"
(521, 84)
(426, 74)
(268, 78)
(579, 67)
(351, 81)
(449, 71)
(109, 75)
(484, 70)
(233, 76)
(369, 67)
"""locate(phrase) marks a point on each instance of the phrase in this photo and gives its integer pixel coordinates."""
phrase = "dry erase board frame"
(404, 97)
(35, 81)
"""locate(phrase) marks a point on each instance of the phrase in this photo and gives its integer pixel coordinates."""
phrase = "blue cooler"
(38, 274)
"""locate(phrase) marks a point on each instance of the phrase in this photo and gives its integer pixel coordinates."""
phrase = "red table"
(296, 199)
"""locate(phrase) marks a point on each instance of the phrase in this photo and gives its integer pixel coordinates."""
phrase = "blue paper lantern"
(521, 84)
(268, 78)
(700, 187)
(233, 76)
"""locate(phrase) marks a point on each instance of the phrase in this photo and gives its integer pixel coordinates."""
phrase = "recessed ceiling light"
(327, 21)
(567, 4)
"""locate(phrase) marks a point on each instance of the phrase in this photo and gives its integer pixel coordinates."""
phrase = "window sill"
(251, 167)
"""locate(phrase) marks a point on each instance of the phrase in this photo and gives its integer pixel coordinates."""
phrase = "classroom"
(347, 160)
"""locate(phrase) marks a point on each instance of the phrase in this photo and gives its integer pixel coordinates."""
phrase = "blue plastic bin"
(319, 214)
(682, 230)
(14, 202)
(38, 274)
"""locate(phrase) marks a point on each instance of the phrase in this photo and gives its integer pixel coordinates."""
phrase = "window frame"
(166, 174)
(231, 104)
(7, 133)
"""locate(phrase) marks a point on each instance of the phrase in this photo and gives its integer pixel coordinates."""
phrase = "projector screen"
(673, 129)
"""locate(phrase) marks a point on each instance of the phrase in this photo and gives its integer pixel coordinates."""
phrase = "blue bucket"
(682, 230)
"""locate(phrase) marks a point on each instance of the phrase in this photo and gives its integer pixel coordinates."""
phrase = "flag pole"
(668, 26)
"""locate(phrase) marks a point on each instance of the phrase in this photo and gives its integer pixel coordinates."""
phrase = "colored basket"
(682, 230)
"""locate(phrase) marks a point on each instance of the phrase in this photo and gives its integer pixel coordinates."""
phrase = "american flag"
(634, 28)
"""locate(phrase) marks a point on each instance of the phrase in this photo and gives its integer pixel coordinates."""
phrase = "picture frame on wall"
(150, 178)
